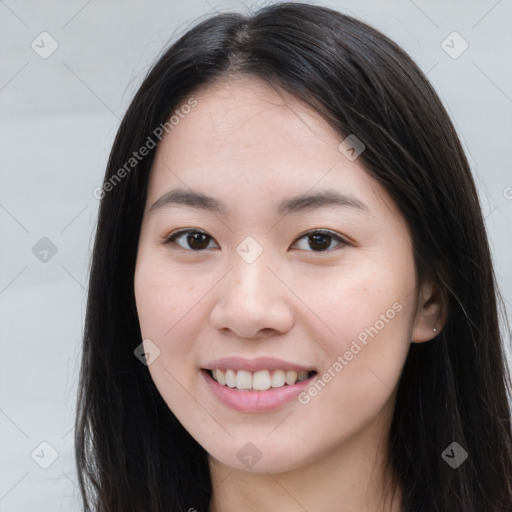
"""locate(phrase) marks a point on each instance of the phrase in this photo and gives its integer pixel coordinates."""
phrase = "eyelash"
(171, 239)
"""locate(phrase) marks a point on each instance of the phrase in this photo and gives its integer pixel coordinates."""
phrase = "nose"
(252, 302)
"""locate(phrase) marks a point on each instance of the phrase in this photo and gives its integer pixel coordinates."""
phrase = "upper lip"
(254, 365)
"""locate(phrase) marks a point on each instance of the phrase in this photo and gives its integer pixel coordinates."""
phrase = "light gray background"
(59, 118)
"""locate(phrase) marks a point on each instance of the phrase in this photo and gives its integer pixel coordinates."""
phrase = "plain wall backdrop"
(67, 73)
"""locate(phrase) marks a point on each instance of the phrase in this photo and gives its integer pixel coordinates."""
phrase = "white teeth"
(230, 378)
(261, 380)
(243, 380)
(220, 377)
(258, 381)
(291, 377)
(278, 378)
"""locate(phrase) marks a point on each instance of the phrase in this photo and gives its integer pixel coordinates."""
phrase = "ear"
(432, 313)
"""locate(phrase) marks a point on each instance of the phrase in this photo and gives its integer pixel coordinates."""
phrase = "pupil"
(196, 240)
(319, 239)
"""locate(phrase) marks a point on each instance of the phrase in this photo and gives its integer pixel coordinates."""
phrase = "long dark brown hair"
(131, 452)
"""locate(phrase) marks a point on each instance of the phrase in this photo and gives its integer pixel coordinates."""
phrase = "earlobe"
(432, 313)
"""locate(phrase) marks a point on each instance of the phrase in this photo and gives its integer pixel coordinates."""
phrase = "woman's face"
(297, 261)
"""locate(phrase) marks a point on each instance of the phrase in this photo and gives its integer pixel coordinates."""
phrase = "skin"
(251, 147)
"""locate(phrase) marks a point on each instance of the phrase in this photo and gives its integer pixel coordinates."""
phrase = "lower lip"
(256, 401)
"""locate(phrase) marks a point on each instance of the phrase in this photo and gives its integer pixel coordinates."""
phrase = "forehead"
(243, 136)
(247, 110)
(245, 118)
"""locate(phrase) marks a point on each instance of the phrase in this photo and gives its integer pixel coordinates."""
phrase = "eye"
(319, 240)
(195, 239)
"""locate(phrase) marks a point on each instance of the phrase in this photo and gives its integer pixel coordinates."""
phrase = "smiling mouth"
(262, 380)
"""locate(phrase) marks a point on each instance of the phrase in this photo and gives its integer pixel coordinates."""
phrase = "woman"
(292, 304)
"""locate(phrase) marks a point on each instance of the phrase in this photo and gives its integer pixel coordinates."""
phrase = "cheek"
(163, 297)
(369, 313)
(361, 302)
(168, 307)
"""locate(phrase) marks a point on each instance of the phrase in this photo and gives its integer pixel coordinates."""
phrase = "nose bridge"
(250, 261)
(249, 280)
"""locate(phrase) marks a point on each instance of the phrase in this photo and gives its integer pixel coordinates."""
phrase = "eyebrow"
(294, 204)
